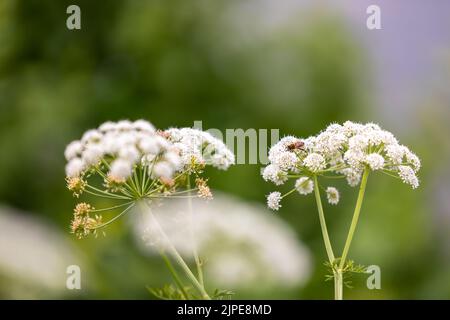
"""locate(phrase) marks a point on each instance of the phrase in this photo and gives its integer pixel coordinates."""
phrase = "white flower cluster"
(273, 200)
(200, 148)
(120, 146)
(347, 150)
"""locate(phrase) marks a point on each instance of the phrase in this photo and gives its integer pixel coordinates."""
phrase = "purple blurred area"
(406, 55)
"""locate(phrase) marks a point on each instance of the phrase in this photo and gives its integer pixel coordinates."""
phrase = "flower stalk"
(323, 225)
(145, 208)
(198, 262)
(351, 231)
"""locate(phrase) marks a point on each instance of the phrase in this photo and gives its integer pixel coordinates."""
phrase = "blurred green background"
(230, 65)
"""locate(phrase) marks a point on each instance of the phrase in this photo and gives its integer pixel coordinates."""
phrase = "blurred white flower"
(244, 244)
(33, 257)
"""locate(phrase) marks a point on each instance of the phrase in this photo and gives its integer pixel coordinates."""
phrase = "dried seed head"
(83, 226)
(82, 209)
(76, 185)
(203, 189)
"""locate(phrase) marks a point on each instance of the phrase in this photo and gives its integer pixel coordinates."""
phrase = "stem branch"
(173, 251)
(323, 225)
(354, 222)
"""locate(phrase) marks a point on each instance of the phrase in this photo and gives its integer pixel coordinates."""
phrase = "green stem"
(338, 285)
(116, 217)
(289, 192)
(354, 222)
(175, 276)
(112, 208)
(194, 243)
(173, 251)
(323, 225)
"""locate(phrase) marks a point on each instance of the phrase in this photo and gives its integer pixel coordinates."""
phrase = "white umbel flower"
(304, 185)
(408, 176)
(143, 125)
(413, 160)
(130, 153)
(314, 162)
(200, 148)
(163, 169)
(395, 153)
(91, 136)
(286, 160)
(332, 195)
(120, 170)
(375, 161)
(92, 154)
(73, 150)
(74, 168)
(149, 146)
(274, 174)
(346, 150)
(122, 145)
(273, 200)
(353, 176)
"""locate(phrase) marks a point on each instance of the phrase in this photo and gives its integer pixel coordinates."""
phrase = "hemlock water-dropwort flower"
(134, 165)
(350, 151)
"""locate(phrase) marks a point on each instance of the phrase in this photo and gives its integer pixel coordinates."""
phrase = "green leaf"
(220, 294)
(170, 292)
(349, 268)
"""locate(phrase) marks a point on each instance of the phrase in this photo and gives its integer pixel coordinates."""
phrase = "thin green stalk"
(111, 195)
(104, 195)
(175, 275)
(144, 179)
(136, 182)
(116, 217)
(354, 222)
(323, 225)
(288, 193)
(194, 243)
(112, 208)
(173, 251)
